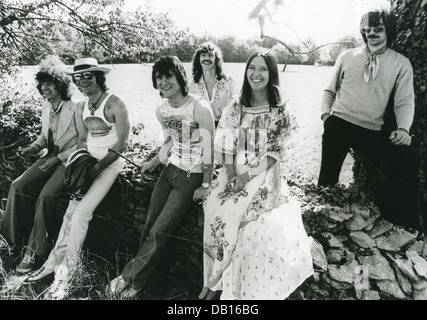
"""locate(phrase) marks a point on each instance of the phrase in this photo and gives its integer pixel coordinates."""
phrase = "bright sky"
(322, 20)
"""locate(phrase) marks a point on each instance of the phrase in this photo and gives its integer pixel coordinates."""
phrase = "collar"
(59, 107)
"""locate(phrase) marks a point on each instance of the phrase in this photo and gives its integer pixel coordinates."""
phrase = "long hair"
(197, 66)
(168, 66)
(372, 19)
(51, 69)
(274, 97)
(101, 79)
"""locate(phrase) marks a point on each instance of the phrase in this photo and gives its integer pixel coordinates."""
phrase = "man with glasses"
(102, 123)
(209, 81)
(365, 81)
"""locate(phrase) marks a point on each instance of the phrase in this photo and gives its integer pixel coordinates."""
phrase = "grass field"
(302, 88)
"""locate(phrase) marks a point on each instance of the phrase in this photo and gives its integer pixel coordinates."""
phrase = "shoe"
(129, 293)
(27, 264)
(39, 274)
(117, 285)
(59, 290)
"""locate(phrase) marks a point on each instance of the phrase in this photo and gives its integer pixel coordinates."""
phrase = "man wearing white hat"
(103, 123)
(365, 80)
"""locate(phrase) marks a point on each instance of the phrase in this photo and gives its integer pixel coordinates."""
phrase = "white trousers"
(76, 222)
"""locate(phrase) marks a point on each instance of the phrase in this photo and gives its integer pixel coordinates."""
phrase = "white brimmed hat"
(87, 64)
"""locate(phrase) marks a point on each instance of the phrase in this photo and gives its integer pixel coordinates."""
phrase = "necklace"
(55, 110)
(92, 108)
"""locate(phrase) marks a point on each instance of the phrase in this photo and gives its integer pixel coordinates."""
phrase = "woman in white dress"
(255, 244)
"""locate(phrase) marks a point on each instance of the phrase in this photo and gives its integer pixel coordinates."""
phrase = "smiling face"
(86, 82)
(207, 60)
(168, 85)
(49, 90)
(257, 74)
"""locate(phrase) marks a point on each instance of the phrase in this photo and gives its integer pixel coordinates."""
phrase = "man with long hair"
(365, 80)
(38, 198)
(209, 80)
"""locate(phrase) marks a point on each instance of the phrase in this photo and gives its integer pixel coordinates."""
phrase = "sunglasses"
(368, 30)
(86, 76)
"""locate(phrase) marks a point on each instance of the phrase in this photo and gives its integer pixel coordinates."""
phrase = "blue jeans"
(76, 221)
(171, 200)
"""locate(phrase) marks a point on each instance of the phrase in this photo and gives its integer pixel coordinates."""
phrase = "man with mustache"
(209, 81)
(365, 81)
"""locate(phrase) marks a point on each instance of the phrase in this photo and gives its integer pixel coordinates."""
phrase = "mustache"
(372, 37)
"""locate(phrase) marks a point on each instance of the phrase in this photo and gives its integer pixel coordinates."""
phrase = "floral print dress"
(255, 244)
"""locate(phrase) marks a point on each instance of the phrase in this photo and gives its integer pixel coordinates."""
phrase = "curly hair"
(373, 18)
(51, 69)
(197, 67)
(274, 97)
(168, 66)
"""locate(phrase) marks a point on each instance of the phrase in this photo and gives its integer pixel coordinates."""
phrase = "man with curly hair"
(209, 81)
(38, 198)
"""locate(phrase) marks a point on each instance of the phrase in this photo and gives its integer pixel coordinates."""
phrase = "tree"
(342, 44)
(100, 28)
(264, 13)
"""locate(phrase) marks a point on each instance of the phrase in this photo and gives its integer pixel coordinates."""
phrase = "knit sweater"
(349, 97)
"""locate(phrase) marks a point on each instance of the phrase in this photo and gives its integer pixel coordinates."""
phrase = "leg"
(50, 208)
(399, 201)
(158, 200)
(20, 206)
(76, 221)
(179, 202)
(335, 146)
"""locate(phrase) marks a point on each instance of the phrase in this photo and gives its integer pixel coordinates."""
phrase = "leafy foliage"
(74, 28)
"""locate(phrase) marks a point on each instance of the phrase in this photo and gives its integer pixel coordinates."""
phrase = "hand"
(144, 166)
(199, 194)
(240, 182)
(325, 116)
(50, 163)
(400, 137)
(93, 173)
(26, 152)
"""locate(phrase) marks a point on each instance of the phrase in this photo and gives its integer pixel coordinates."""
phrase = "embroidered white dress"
(255, 244)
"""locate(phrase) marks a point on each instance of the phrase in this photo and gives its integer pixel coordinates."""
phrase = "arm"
(204, 117)
(331, 90)
(72, 145)
(119, 112)
(161, 157)
(242, 179)
(41, 141)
